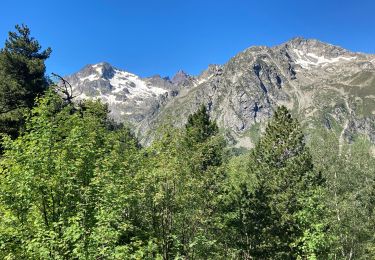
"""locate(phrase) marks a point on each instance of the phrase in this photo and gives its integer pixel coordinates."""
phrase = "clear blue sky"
(163, 36)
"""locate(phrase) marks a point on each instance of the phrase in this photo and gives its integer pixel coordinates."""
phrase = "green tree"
(64, 185)
(199, 127)
(349, 172)
(202, 139)
(178, 186)
(279, 216)
(22, 78)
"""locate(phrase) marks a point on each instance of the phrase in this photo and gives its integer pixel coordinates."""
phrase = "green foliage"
(22, 77)
(349, 170)
(178, 186)
(199, 127)
(55, 184)
(279, 216)
(76, 185)
(199, 138)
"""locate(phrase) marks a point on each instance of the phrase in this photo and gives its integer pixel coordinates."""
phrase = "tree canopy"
(74, 184)
(22, 77)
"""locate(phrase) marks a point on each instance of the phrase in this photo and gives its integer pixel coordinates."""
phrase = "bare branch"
(66, 88)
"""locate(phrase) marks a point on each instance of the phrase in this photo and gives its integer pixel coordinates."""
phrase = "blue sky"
(163, 36)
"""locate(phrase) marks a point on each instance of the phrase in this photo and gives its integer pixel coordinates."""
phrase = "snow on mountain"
(129, 97)
(321, 83)
(132, 85)
(308, 59)
(114, 85)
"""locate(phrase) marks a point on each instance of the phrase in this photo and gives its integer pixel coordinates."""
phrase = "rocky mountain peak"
(314, 54)
(180, 78)
(303, 43)
(102, 70)
(319, 82)
(314, 48)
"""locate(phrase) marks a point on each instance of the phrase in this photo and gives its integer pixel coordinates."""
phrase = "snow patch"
(83, 96)
(201, 81)
(309, 59)
(99, 69)
(124, 85)
(91, 77)
(125, 81)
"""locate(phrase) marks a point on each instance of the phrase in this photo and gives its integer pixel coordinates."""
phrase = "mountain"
(129, 97)
(323, 85)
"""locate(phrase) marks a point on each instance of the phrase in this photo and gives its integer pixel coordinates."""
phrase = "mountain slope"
(322, 84)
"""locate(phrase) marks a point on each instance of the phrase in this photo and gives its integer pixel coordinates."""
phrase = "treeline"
(76, 185)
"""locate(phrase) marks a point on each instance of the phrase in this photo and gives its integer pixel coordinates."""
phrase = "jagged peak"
(180, 77)
(181, 72)
(102, 64)
(102, 70)
(301, 44)
(313, 45)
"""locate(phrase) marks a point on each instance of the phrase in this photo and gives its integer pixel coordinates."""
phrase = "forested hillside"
(75, 184)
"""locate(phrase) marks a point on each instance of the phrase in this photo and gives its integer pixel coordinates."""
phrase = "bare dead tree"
(65, 88)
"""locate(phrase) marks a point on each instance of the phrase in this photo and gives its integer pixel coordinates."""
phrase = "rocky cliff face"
(322, 84)
(129, 97)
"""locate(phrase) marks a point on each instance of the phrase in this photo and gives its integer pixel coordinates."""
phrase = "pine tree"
(201, 136)
(199, 127)
(178, 186)
(22, 78)
(281, 216)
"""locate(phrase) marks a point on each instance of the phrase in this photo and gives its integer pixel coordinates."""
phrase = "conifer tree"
(199, 127)
(281, 217)
(200, 138)
(22, 77)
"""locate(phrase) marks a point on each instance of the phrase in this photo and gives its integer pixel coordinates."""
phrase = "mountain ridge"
(316, 80)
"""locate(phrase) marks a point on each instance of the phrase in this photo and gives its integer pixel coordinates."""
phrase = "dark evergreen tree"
(22, 77)
(199, 127)
(200, 138)
(281, 218)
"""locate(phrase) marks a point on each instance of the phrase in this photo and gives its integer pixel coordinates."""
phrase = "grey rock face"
(180, 77)
(321, 83)
(130, 98)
